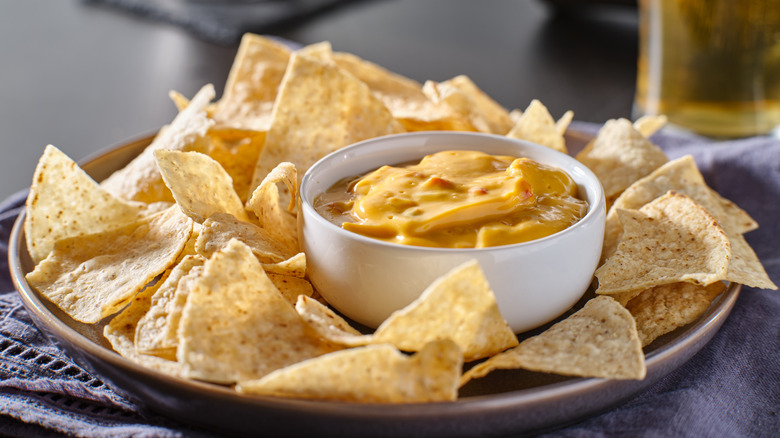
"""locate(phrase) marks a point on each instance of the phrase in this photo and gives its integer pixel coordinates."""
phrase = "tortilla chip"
(291, 287)
(93, 276)
(120, 333)
(220, 228)
(373, 374)
(669, 240)
(200, 186)
(140, 180)
(661, 309)
(599, 340)
(237, 151)
(454, 108)
(65, 202)
(151, 331)
(744, 265)
(253, 83)
(537, 126)
(649, 125)
(267, 202)
(295, 266)
(319, 109)
(237, 326)
(460, 306)
(486, 115)
(328, 324)
(620, 155)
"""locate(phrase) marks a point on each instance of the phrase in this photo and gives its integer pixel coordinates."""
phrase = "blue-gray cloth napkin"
(731, 388)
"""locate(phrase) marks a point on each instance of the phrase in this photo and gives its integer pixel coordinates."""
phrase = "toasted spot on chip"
(599, 340)
(267, 203)
(93, 276)
(253, 83)
(661, 309)
(65, 202)
(200, 186)
(460, 306)
(620, 155)
(372, 374)
(237, 326)
(120, 333)
(140, 180)
(669, 240)
(319, 109)
(537, 126)
(152, 328)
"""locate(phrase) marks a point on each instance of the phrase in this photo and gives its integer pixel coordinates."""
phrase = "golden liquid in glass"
(711, 66)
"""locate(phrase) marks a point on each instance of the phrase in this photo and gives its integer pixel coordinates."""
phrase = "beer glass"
(711, 66)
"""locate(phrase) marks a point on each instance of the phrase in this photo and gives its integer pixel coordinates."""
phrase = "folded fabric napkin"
(730, 388)
(224, 21)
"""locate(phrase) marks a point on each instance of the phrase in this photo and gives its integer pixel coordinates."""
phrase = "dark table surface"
(83, 76)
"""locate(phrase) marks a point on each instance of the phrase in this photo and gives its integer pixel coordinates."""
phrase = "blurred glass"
(711, 66)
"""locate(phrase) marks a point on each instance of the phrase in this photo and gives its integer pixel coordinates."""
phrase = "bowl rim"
(307, 205)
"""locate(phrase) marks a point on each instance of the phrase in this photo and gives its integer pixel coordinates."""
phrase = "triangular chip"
(486, 115)
(320, 109)
(236, 151)
(328, 324)
(253, 83)
(661, 309)
(93, 276)
(291, 287)
(373, 374)
(200, 186)
(649, 124)
(236, 324)
(459, 305)
(140, 180)
(620, 155)
(268, 204)
(599, 340)
(537, 126)
(669, 240)
(65, 202)
(220, 228)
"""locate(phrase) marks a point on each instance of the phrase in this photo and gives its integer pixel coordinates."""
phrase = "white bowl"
(367, 279)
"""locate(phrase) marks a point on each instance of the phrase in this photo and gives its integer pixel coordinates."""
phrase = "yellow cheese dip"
(456, 199)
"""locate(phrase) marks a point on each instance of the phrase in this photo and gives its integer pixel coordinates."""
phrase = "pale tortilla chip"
(93, 276)
(120, 333)
(319, 109)
(65, 202)
(599, 340)
(745, 267)
(328, 324)
(373, 374)
(220, 228)
(200, 186)
(237, 326)
(454, 109)
(140, 180)
(538, 126)
(661, 309)
(460, 306)
(620, 155)
(669, 240)
(267, 202)
(237, 151)
(295, 266)
(253, 83)
(291, 287)
(486, 115)
(151, 330)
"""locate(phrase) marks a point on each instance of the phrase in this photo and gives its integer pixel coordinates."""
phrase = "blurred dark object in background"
(224, 21)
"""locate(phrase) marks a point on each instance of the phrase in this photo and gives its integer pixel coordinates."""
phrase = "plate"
(504, 402)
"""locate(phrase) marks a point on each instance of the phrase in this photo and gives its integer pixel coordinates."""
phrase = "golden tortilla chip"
(236, 151)
(460, 306)
(454, 109)
(140, 180)
(328, 324)
(295, 266)
(291, 287)
(620, 155)
(319, 109)
(237, 326)
(93, 276)
(120, 333)
(599, 340)
(267, 202)
(537, 126)
(220, 228)
(65, 202)
(744, 265)
(661, 309)
(649, 125)
(486, 115)
(253, 83)
(669, 240)
(151, 331)
(373, 374)
(200, 186)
